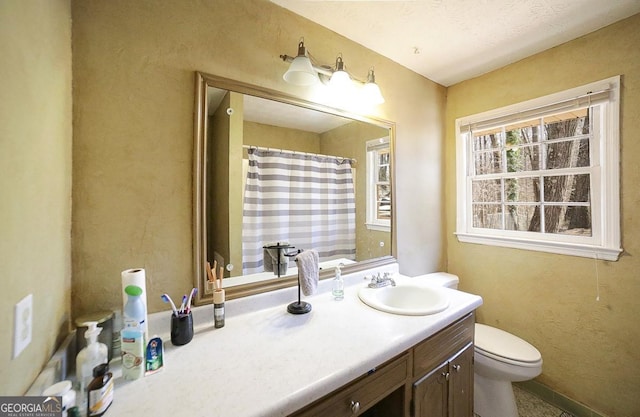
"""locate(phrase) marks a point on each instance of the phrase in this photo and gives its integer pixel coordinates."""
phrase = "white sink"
(406, 299)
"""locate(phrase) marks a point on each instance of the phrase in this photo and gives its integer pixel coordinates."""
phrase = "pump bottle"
(89, 357)
(338, 284)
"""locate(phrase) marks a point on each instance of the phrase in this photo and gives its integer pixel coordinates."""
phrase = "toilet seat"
(505, 347)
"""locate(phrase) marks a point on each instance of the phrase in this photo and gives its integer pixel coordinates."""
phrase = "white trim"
(378, 227)
(605, 240)
(372, 148)
(564, 248)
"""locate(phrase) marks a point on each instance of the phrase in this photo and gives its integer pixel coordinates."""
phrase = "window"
(378, 185)
(543, 174)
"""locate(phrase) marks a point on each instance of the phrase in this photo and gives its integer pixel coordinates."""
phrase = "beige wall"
(35, 184)
(590, 348)
(351, 140)
(267, 136)
(134, 66)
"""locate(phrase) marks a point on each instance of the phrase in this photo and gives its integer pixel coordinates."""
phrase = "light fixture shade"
(301, 71)
(340, 79)
(370, 91)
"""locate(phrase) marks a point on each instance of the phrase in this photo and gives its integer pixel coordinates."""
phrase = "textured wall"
(589, 347)
(35, 180)
(134, 64)
(351, 140)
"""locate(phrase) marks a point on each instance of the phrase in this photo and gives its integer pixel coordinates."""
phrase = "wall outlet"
(22, 324)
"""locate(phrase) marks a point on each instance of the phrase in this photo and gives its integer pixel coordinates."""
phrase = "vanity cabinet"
(446, 391)
(434, 378)
(443, 373)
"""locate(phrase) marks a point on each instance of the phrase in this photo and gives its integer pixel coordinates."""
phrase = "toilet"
(500, 358)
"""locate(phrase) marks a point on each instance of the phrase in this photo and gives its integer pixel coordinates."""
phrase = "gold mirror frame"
(202, 82)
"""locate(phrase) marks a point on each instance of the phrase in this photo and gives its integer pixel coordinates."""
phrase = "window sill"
(378, 227)
(562, 248)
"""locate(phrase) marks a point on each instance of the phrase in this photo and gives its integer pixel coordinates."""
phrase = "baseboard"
(558, 400)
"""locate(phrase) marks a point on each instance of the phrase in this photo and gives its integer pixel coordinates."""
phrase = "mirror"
(233, 120)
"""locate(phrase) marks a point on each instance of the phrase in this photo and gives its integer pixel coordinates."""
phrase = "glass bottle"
(338, 284)
(100, 391)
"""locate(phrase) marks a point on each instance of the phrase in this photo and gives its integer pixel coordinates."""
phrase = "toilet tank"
(443, 279)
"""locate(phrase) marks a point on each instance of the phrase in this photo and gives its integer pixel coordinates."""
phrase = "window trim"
(371, 222)
(605, 243)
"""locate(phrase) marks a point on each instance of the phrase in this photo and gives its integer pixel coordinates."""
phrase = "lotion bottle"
(132, 349)
(91, 356)
(338, 284)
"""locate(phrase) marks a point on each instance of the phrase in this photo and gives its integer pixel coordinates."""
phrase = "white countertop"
(267, 362)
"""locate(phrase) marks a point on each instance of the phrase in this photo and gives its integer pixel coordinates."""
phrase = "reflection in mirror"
(271, 169)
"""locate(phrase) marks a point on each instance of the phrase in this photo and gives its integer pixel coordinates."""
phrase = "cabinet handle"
(446, 375)
(456, 368)
(355, 406)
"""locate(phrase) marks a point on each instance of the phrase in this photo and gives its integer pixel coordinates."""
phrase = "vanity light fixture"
(304, 72)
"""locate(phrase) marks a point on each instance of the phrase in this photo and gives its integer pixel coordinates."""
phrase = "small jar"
(100, 391)
(62, 389)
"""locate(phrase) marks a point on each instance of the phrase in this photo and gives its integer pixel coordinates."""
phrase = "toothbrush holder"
(181, 329)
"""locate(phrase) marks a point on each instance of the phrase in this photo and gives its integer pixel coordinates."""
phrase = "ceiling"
(449, 41)
(275, 113)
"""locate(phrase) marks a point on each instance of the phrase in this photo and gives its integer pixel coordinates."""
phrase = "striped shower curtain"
(305, 200)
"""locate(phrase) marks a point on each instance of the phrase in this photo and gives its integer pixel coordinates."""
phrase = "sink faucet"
(378, 281)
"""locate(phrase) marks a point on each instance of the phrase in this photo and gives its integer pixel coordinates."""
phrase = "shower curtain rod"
(353, 160)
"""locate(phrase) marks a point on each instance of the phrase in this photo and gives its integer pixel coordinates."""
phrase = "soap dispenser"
(92, 355)
(338, 284)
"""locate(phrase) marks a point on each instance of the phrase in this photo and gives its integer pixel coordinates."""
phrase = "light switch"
(22, 324)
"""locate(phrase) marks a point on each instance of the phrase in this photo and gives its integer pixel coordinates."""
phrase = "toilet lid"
(503, 344)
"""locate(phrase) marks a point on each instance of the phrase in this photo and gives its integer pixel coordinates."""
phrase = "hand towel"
(270, 256)
(308, 270)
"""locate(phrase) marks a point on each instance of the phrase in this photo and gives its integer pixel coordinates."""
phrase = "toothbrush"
(194, 291)
(167, 299)
(184, 300)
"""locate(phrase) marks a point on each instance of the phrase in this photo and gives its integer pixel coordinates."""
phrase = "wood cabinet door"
(461, 384)
(430, 393)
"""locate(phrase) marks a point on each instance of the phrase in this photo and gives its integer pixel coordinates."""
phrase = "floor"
(530, 405)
